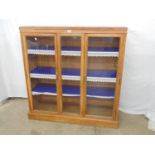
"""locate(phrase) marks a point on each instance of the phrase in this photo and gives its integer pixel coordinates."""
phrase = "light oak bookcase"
(74, 74)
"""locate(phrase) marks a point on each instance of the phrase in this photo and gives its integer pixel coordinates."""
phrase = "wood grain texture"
(58, 72)
(27, 72)
(63, 30)
(83, 78)
(119, 75)
(97, 121)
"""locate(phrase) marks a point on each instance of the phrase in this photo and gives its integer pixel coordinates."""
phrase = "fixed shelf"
(43, 73)
(76, 51)
(94, 92)
(41, 50)
(74, 74)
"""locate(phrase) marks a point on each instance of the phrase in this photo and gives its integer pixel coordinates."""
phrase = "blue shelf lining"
(102, 49)
(43, 70)
(74, 91)
(42, 48)
(77, 49)
(75, 72)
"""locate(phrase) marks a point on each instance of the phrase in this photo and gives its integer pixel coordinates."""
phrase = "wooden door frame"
(120, 65)
(119, 68)
(26, 62)
(59, 66)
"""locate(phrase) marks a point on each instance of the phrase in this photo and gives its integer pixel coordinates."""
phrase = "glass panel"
(101, 75)
(71, 51)
(41, 56)
(44, 103)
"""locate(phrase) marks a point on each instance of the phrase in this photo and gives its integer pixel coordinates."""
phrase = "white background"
(77, 145)
(138, 87)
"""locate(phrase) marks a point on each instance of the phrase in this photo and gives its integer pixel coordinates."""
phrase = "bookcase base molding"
(103, 122)
(74, 74)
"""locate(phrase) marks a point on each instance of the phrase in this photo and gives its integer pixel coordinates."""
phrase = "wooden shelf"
(66, 52)
(45, 89)
(74, 74)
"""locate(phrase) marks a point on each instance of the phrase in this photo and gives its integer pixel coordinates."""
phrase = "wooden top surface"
(73, 29)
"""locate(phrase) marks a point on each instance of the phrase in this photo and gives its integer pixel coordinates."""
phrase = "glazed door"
(70, 51)
(42, 71)
(101, 71)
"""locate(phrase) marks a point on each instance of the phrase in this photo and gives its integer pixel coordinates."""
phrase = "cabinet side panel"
(119, 75)
(26, 67)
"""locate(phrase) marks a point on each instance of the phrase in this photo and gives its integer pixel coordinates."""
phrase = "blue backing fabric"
(102, 49)
(73, 90)
(71, 48)
(42, 48)
(71, 71)
(101, 73)
(43, 70)
(41, 88)
(75, 72)
(100, 91)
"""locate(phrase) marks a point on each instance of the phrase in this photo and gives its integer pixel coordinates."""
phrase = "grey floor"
(13, 120)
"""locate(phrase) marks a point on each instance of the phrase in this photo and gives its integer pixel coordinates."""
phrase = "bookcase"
(74, 74)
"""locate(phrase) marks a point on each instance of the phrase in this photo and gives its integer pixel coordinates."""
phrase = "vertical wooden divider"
(83, 77)
(119, 76)
(58, 72)
(27, 72)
